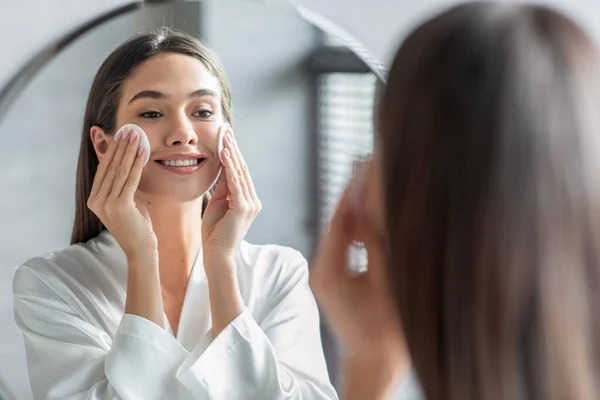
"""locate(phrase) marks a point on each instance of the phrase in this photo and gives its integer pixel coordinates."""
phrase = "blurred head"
(486, 185)
(174, 88)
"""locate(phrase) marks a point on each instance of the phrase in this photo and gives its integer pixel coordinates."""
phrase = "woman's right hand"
(360, 307)
(115, 200)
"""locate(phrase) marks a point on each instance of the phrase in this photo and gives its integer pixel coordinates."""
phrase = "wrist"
(226, 302)
(219, 266)
(144, 260)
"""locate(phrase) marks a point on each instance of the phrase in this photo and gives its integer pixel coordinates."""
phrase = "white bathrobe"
(81, 345)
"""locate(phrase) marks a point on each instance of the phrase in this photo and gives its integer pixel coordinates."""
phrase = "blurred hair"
(490, 140)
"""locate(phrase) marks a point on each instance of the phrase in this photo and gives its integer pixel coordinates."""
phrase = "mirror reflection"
(173, 278)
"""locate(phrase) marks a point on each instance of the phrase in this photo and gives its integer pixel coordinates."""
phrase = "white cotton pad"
(144, 143)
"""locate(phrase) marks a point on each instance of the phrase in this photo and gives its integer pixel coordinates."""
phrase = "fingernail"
(228, 138)
(140, 151)
(119, 135)
(226, 152)
(133, 136)
(126, 134)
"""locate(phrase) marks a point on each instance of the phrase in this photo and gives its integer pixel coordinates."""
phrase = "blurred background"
(303, 109)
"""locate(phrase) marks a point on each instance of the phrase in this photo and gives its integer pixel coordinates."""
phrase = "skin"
(155, 214)
(360, 309)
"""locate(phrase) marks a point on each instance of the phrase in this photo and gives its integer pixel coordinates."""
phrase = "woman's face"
(177, 102)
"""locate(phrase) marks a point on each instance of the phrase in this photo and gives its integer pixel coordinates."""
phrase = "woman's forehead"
(172, 74)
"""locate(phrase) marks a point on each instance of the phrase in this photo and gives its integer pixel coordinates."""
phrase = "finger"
(344, 216)
(113, 168)
(330, 264)
(366, 232)
(374, 242)
(221, 189)
(133, 180)
(103, 167)
(343, 230)
(124, 170)
(247, 179)
(239, 168)
(233, 180)
(335, 242)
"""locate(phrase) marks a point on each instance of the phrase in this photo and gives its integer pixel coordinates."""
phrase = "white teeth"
(180, 163)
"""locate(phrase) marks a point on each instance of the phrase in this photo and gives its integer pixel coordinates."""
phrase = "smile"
(182, 163)
(182, 167)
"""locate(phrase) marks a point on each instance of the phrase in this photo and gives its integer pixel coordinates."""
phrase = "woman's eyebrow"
(153, 94)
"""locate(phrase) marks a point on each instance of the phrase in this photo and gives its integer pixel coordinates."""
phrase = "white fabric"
(80, 344)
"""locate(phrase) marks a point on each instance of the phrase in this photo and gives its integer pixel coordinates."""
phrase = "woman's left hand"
(233, 206)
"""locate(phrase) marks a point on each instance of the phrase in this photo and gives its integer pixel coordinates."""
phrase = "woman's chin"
(175, 193)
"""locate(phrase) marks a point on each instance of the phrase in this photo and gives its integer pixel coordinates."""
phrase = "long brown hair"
(490, 140)
(104, 98)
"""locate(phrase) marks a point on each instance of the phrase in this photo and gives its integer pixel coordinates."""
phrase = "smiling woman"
(170, 85)
(159, 296)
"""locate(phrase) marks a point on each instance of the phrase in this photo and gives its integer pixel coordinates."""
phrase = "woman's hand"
(114, 198)
(227, 218)
(232, 208)
(359, 308)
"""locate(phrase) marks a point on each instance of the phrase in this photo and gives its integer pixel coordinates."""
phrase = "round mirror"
(303, 101)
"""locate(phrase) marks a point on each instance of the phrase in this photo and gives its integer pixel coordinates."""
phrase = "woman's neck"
(178, 229)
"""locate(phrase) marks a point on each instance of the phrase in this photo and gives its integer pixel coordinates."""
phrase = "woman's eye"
(150, 114)
(203, 113)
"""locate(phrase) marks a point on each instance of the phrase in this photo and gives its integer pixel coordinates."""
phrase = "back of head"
(490, 141)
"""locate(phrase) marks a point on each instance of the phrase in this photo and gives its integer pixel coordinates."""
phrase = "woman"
(158, 297)
(481, 215)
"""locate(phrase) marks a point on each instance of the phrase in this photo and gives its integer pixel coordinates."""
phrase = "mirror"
(302, 109)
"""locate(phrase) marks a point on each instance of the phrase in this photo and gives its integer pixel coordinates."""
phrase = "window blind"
(345, 124)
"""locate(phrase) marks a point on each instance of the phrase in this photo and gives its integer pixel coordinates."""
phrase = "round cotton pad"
(144, 143)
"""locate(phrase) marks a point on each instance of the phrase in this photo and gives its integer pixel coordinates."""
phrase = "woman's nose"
(182, 133)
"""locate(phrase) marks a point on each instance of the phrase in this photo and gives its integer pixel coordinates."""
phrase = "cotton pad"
(144, 143)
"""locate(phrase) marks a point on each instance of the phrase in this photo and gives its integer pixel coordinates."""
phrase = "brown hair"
(490, 140)
(104, 98)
